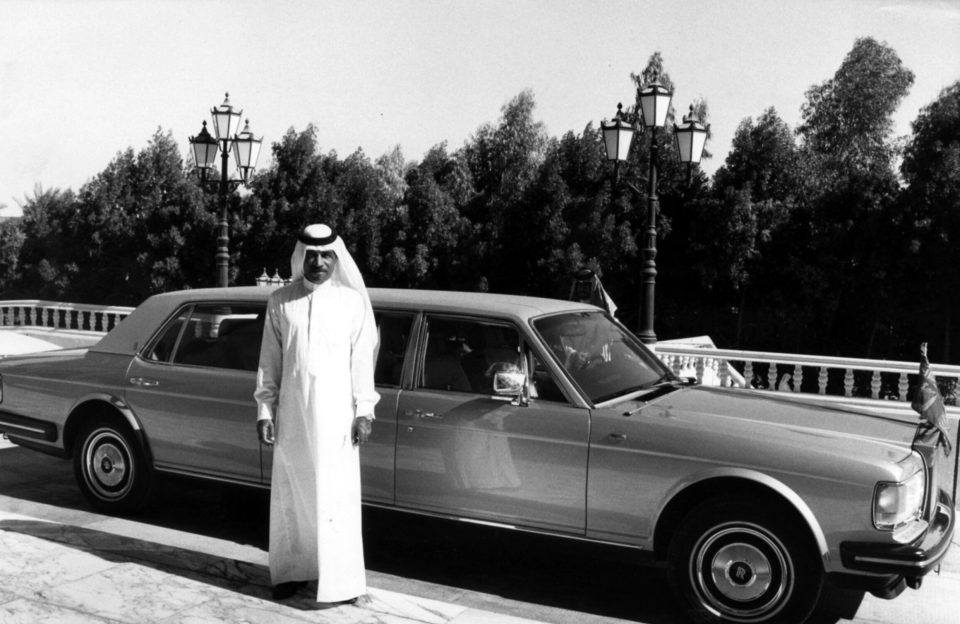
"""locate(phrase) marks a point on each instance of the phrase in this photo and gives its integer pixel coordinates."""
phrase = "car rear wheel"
(740, 561)
(110, 467)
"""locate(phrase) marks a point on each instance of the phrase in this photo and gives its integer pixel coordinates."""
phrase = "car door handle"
(617, 437)
(421, 414)
(144, 382)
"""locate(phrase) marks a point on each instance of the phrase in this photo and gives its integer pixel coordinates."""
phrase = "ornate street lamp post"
(618, 134)
(246, 150)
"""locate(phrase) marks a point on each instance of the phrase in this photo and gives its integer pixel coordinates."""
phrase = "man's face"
(318, 266)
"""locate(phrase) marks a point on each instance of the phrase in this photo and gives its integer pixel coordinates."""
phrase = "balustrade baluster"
(822, 380)
(772, 376)
(700, 369)
(748, 373)
(875, 385)
(797, 377)
(904, 387)
(848, 383)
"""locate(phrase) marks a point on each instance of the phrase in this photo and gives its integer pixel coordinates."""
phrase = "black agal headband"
(309, 240)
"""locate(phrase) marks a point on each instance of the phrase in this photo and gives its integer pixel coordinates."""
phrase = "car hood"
(779, 427)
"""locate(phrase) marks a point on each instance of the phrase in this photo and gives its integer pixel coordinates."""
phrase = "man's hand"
(360, 431)
(265, 431)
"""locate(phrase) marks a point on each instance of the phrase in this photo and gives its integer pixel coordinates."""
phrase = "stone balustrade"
(28, 313)
(811, 374)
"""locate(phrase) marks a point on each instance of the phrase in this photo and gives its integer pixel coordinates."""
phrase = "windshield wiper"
(657, 390)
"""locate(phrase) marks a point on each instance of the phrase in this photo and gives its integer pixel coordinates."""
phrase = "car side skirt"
(26, 427)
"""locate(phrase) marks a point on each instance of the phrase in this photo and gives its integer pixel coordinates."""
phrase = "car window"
(394, 331)
(213, 335)
(162, 349)
(463, 355)
(601, 357)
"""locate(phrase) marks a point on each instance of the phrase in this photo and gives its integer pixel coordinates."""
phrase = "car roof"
(127, 337)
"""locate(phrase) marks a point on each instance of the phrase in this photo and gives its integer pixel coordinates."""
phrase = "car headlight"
(896, 504)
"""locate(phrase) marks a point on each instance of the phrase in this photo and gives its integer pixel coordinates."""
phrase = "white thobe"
(315, 375)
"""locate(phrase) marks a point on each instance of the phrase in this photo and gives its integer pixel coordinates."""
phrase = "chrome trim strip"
(896, 562)
(488, 523)
(209, 477)
(521, 529)
(6, 423)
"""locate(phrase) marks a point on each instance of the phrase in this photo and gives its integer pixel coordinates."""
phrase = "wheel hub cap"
(741, 572)
(108, 465)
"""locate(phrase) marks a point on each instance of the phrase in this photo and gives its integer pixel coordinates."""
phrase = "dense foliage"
(834, 238)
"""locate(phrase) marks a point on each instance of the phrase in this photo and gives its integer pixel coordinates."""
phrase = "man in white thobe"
(315, 398)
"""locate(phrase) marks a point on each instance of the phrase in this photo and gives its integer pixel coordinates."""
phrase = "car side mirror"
(512, 382)
(509, 382)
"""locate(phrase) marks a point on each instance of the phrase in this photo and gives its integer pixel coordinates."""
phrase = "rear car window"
(212, 336)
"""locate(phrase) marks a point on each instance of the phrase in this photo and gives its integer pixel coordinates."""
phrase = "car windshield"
(601, 357)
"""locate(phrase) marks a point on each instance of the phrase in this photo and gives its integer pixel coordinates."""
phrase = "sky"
(82, 80)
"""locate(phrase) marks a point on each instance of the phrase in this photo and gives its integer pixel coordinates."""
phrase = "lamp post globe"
(617, 137)
(691, 137)
(246, 151)
(226, 119)
(205, 149)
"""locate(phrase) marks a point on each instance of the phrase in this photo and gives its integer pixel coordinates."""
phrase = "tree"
(931, 211)
(847, 157)
(763, 159)
(430, 229)
(134, 230)
(737, 235)
(41, 275)
(11, 242)
(848, 119)
(142, 211)
(503, 161)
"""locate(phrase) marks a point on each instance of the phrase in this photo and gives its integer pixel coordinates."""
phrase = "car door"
(377, 456)
(192, 390)
(464, 451)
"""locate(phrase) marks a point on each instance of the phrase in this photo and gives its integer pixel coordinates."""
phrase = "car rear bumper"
(908, 560)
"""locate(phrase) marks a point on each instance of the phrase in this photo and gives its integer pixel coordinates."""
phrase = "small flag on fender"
(929, 404)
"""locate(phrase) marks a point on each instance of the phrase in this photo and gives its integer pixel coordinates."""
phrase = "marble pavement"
(82, 568)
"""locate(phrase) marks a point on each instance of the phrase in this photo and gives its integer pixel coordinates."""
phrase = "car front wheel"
(110, 467)
(744, 562)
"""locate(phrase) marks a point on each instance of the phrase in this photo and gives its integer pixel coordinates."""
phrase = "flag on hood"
(929, 404)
